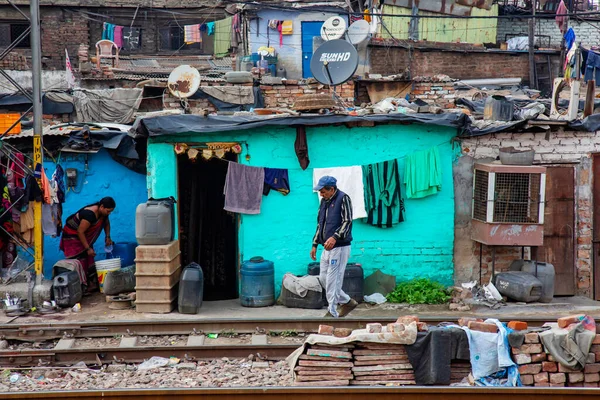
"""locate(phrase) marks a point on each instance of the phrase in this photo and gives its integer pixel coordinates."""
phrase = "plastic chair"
(104, 49)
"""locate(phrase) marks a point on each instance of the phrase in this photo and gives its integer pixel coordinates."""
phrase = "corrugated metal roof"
(47, 131)
(65, 129)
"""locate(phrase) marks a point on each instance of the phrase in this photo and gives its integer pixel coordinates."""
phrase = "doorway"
(559, 224)
(208, 234)
(309, 31)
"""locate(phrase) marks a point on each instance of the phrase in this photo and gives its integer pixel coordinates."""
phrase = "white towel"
(349, 181)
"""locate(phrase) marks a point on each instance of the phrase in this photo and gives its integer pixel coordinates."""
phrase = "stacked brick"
(284, 96)
(540, 369)
(158, 269)
(323, 365)
(441, 94)
(381, 364)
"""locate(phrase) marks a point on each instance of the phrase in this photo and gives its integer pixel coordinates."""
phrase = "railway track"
(58, 330)
(354, 393)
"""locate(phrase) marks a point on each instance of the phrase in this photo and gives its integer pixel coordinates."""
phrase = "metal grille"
(517, 198)
(480, 195)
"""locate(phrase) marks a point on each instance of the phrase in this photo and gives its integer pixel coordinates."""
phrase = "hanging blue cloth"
(569, 38)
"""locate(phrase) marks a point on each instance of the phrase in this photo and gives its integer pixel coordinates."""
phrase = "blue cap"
(326, 181)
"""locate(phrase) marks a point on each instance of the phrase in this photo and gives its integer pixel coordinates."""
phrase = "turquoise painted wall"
(104, 177)
(422, 246)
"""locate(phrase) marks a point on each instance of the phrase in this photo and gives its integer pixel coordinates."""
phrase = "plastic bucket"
(104, 267)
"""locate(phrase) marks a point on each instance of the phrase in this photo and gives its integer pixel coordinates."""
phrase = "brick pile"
(284, 96)
(439, 91)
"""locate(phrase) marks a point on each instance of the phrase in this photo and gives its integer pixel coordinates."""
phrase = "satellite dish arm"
(326, 64)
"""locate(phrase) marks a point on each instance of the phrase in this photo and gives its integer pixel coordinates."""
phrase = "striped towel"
(192, 34)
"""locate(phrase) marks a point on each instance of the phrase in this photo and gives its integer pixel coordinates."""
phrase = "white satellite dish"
(358, 32)
(184, 81)
(334, 28)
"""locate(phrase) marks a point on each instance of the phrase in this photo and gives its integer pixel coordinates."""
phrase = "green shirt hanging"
(423, 173)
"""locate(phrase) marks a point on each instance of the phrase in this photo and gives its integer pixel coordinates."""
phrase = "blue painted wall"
(422, 246)
(290, 53)
(104, 177)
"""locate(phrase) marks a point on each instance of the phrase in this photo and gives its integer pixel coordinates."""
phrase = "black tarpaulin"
(186, 124)
(19, 102)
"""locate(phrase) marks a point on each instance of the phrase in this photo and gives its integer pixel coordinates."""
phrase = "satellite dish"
(333, 28)
(184, 81)
(334, 62)
(358, 32)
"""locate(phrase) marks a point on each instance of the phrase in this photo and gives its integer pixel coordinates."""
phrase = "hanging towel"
(423, 174)
(383, 197)
(118, 36)
(105, 31)
(287, 27)
(203, 27)
(276, 179)
(192, 34)
(210, 28)
(236, 33)
(131, 38)
(222, 37)
(244, 188)
(561, 21)
(569, 38)
(349, 181)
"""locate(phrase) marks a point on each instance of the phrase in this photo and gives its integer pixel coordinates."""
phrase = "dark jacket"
(334, 219)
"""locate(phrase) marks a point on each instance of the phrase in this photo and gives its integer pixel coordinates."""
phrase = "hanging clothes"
(5, 215)
(562, 21)
(276, 179)
(236, 33)
(108, 32)
(244, 188)
(210, 28)
(423, 173)
(382, 194)
(58, 181)
(222, 37)
(17, 168)
(27, 222)
(118, 36)
(301, 147)
(50, 220)
(570, 38)
(192, 34)
(349, 181)
(592, 67)
(46, 190)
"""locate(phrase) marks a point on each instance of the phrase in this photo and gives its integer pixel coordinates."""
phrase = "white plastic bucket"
(103, 267)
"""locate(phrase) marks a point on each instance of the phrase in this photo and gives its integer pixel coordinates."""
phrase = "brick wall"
(275, 96)
(586, 33)
(560, 147)
(468, 64)
(61, 30)
(16, 61)
(440, 93)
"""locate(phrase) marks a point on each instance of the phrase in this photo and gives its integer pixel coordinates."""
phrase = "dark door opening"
(208, 234)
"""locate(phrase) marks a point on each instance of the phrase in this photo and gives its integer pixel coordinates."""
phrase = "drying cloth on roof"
(236, 33)
(570, 347)
(423, 173)
(300, 285)
(118, 36)
(244, 188)
(383, 197)
(432, 353)
(276, 179)
(107, 105)
(222, 37)
(210, 28)
(192, 34)
(490, 355)
(569, 38)
(231, 94)
(349, 181)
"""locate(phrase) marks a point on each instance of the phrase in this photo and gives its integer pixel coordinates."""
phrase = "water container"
(67, 289)
(124, 251)
(154, 222)
(354, 279)
(312, 300)
(519, 286)
(191, 289)
(258, 283)
(281, 73)
(103, 267)
(119, 281)
(543, 271)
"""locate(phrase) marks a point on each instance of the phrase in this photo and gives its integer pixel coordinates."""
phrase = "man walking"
(334, 232)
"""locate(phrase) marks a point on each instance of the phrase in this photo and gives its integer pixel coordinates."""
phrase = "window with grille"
(10, 32)
(507, 197)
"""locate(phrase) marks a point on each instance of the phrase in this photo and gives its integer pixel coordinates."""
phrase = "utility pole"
(36, 71)
(532, 79)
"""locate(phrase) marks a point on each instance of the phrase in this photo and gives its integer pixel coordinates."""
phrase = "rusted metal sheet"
(559, 224)
(507, 234)
(444, 7)
(298, 393)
